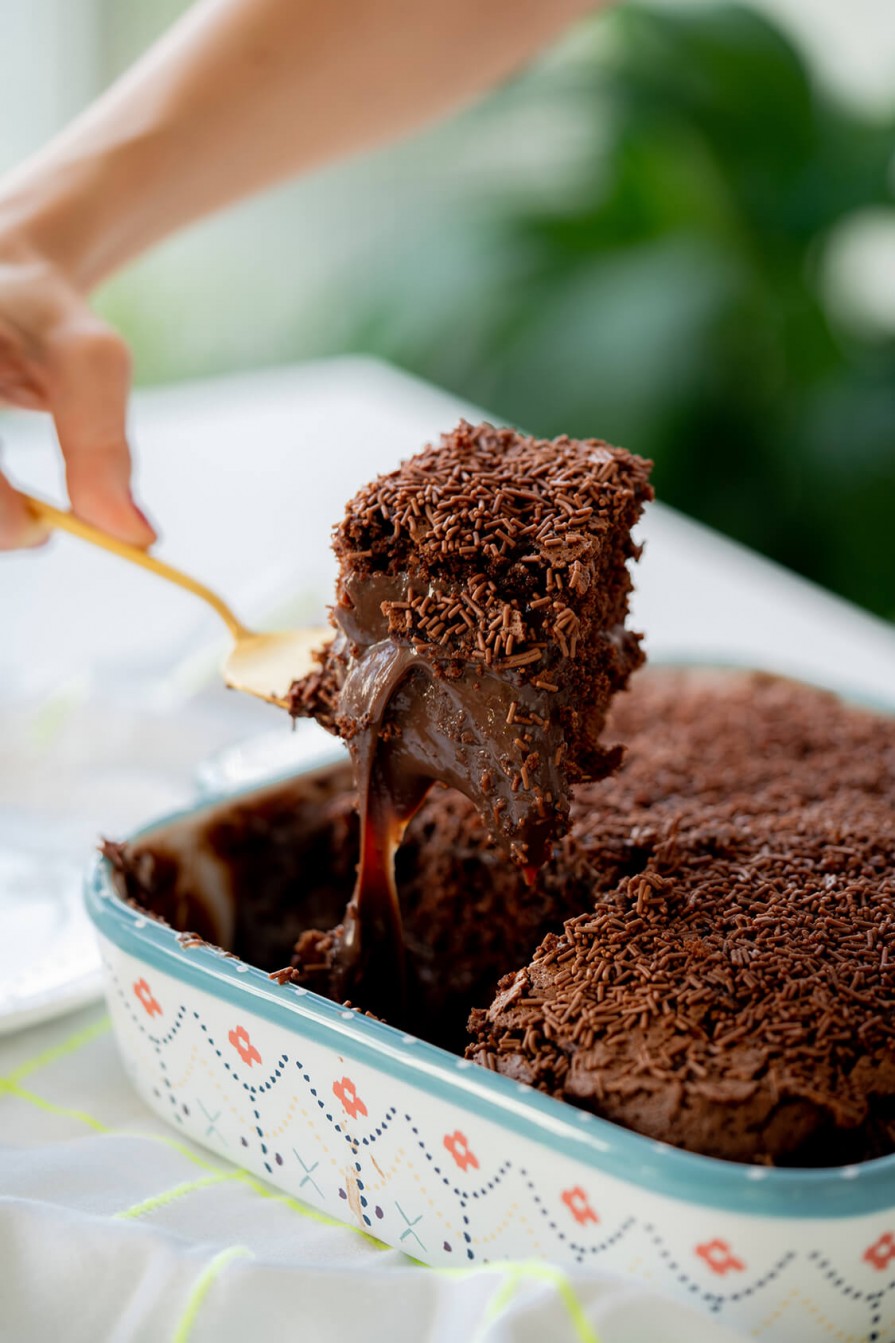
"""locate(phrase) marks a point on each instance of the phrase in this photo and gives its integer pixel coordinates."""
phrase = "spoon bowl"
(265, 665)
(259, 664)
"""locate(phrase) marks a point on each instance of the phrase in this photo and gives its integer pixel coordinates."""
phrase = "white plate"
(263, 759)
(49, 962)
(75, 766)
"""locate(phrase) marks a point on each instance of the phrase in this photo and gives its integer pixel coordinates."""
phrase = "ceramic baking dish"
(458, 1165)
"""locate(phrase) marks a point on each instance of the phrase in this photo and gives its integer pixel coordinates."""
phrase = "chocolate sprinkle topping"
(494, 567)
(731, 988)
(518, 531)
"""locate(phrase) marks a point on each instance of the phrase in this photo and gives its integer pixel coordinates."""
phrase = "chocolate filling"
(408, 725)
(479, 638)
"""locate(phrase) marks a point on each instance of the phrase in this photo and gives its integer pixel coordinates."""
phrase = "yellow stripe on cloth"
(156, 1201)
(202, 1287)
(239, 1175)
(12, 1088)
(68, 1046)
(514, 1274)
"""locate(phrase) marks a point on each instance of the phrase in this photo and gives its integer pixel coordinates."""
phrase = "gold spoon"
(264, 665)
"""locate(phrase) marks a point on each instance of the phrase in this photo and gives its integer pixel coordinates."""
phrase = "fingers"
(18, 526)
(20, 383)
(88, 368)
(18, 387)
(21, 392)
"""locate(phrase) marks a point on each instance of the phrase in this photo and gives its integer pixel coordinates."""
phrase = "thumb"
(18, 528)
(89, 374)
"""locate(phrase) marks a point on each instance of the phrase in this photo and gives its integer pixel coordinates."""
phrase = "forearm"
(243, 93)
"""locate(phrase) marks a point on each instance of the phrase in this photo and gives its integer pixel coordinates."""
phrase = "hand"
(238, 95)
(57, 356)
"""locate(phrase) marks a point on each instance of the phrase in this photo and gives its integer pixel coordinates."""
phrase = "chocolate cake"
(730, 985)
(707, 957)
(480, 632)
(480, 636)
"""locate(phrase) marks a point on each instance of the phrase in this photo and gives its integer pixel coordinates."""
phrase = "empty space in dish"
(251, 874)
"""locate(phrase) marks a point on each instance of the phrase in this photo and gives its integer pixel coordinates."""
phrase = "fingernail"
(22, 529)
(143, 518)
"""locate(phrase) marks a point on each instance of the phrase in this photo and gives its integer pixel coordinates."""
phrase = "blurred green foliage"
(673, 301)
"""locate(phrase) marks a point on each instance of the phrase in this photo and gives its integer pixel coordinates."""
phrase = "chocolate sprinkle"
(730, 988)
(495, 567)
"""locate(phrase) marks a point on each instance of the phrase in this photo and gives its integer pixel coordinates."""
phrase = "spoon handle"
(67, 522)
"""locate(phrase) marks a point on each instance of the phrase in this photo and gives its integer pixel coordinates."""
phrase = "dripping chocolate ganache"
(480, 636)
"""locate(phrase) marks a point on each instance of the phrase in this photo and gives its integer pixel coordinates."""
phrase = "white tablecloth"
(111, 1226)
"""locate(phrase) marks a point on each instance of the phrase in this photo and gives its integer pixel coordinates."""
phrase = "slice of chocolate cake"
(731, 987)
(480, 618)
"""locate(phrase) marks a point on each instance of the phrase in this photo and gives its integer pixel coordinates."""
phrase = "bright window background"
(251, 287)
(302, 270)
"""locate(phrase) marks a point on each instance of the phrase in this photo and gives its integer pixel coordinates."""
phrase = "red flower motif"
(881, 1253)
(460, 1150)
(579, 1206)
(239, 1039)
(719, 1256)
(144, 996)
(346, 1092)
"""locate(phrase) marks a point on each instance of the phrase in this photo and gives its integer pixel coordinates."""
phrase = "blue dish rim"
(809, 1193)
